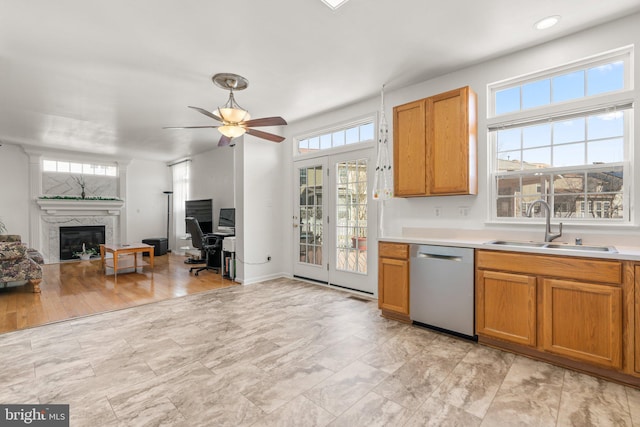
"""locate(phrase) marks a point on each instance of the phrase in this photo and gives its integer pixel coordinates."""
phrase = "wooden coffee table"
(131, 248)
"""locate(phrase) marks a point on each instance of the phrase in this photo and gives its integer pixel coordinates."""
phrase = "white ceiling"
(105, 76)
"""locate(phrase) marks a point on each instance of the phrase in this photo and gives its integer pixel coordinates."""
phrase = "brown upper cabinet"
(435, 145)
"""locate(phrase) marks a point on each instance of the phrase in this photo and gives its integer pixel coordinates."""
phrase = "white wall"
(262, 211)
(14, 190)
(145, 203)
(212, 177)
(401, 213)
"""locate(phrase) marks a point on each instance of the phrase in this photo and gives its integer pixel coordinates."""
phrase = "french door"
(334, 220)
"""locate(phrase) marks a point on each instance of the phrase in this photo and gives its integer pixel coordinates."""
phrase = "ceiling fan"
(235, 120)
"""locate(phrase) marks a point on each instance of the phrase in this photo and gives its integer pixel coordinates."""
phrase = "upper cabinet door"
(409, 150)
(434, 145)
(451, 143)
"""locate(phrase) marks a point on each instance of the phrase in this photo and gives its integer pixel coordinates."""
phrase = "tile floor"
(287, 353)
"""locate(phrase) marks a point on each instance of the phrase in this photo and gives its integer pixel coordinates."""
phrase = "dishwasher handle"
(442, 257)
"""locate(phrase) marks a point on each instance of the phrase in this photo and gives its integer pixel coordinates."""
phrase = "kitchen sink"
(554, 246)
(610, 249)
(513, 243)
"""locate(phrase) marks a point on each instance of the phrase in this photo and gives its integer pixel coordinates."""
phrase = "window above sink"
(564, 135)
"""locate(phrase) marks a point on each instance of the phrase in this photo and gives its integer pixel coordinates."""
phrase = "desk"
(132, 248)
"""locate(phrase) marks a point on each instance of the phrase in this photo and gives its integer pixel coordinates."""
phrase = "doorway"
(335, 221)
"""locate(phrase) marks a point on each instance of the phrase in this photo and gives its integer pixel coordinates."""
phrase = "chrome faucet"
(548, 236)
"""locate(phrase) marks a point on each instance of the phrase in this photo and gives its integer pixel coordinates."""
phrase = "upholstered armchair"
(19, 265)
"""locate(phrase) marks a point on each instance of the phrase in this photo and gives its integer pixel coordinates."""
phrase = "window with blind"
(564, 136)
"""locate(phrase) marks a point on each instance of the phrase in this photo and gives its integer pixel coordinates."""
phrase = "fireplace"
(72, 239)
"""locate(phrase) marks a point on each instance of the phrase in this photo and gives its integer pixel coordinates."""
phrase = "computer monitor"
(202, 210)
(227, 219)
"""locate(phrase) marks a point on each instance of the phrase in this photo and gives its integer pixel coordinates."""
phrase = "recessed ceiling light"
(334, 4)
(547, 22)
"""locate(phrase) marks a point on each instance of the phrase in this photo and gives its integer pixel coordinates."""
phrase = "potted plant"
(85, 254)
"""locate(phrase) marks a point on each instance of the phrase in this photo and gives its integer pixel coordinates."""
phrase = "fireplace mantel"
(80, 207)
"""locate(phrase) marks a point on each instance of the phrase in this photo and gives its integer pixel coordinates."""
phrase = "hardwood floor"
(79, 288)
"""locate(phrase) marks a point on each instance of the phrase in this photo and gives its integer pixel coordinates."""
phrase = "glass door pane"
(351, 214)
(310, 185)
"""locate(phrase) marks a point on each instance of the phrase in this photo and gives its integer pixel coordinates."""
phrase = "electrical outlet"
(437, 211)
(463, 211)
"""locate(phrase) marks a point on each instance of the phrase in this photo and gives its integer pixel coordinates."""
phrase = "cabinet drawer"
(393, 250)
(592, 270)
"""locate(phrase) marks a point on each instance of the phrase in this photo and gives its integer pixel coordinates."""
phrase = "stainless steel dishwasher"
(441, 288)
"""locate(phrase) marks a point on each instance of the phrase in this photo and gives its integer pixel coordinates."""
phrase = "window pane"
(538, 157)
(605, 78)
(509, 161)
(607, 151)
(314, 143)
(49, 165)
(569, 155)
(536, 185)
(605, 206)
(568, 86)
(303, 145)
(536, 94)
(112, 171)
(63, 166)
(325, 141)
(536, 136)
(99, 169)
(506, 207)
(366, 132)
(605, 181)
(338, 138)
(508, 186)
(75, 167)
(569, 131)
(566, 206)
(568, 183)
(352, 135)
(605, 125)
(509, 139)
(508, 100)
(88, 169)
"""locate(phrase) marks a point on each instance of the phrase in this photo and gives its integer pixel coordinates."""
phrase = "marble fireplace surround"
(56, 213)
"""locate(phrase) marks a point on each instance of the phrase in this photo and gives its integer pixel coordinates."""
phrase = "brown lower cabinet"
(393, 280)
(506, 306)
(576, 312)
(582, 321)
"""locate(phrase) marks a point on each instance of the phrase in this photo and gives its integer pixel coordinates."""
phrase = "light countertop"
(478, 239)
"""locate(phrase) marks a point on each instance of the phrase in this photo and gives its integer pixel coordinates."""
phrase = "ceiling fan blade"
(190, 127)
(265, 135)
(265, 121)
(224, 141)
(206, 113)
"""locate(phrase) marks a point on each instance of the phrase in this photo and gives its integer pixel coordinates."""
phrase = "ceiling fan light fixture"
(233, 115)
(232, 131)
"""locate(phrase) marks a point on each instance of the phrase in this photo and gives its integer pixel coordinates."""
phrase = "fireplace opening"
(72, 239)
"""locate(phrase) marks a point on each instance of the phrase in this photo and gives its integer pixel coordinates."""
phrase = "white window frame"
(588, 104)
(88, 168)
(369, 118)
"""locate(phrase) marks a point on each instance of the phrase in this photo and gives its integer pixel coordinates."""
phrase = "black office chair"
(208, 244)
